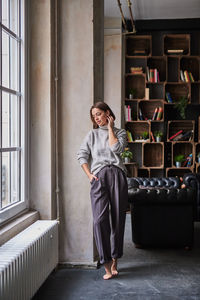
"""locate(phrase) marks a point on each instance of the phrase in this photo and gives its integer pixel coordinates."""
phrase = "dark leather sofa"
(162, 214)
(192, 180)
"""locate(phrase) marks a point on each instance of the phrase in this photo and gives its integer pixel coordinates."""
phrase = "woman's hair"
(102, 106)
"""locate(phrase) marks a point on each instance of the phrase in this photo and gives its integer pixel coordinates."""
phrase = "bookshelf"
(159, 82)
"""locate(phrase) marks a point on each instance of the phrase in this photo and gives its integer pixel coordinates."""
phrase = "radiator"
(27, 259)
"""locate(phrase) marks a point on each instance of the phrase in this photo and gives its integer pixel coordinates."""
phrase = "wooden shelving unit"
(160, 75)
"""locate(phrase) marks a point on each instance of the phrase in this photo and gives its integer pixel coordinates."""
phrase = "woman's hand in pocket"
(92, 176)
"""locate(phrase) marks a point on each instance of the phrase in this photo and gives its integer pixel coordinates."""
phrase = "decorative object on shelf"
(181, 105)
(158, 135)
(127, 155)
(198, 157)
(178, 160)
(132, 93)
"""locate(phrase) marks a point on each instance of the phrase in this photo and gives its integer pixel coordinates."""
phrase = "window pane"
(10, 15)
(10, 64)
(10, 120)
(10, 178)
(5, 9)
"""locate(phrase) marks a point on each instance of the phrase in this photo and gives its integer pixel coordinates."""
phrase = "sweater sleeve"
(83, 154)
(119, 146)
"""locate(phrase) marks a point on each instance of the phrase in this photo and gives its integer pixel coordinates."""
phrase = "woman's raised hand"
(110, 121)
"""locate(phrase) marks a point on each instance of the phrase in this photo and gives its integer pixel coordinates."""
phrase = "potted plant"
(198, 157)
(178, 160)
(131, 93)
(158, 135)
(145, 135)
(181, 105)
(126, 155)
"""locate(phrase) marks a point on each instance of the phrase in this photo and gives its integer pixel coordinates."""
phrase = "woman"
(99, 156)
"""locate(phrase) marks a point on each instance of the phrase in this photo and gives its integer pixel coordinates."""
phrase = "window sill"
(18, 224)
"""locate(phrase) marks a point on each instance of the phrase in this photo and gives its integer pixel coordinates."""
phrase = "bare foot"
(114, 267)
(108, 274)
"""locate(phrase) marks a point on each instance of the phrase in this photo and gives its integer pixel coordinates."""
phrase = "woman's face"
(100, 116)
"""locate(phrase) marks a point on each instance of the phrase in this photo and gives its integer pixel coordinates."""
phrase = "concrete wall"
(76, 96)
(76, 246)
(40, 105)
(113, 66)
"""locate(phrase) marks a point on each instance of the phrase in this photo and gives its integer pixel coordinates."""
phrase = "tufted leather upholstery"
(162, 213)
(192, 180)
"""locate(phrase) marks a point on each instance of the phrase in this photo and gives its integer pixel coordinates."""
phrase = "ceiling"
(154, 9)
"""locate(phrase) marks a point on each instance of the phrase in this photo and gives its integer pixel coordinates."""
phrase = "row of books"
(128, 113)
(157, 115)
(188, 161)
(186, 76)
(136, 70)
(129, 136)
(182, 136)
(153, 75)
(168, 97)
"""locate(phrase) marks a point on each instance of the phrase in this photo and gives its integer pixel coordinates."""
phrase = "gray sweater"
(96, 152)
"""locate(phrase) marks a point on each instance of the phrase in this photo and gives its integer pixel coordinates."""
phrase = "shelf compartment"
(156, 90)
(184, 148)
(132, 169)
(136, 149)
(157, 173)
(148, 107)
(173, 172)
(176, 126)
(177, 42)
(136, 82)
(138, 45)
(136, 62)
(143, 172)
(153, 155)
(178, 90)
(158, 63)
(157, 126)
(190, 64)
(134, 110)
(197, 150)
(138, 128)
(173, 72)
(195, 93)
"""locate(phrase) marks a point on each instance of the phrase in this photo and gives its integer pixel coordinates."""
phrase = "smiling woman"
(101, 150)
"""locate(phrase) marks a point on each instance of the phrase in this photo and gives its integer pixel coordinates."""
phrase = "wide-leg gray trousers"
(109, 191)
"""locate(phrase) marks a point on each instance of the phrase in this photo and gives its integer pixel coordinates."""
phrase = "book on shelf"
(129, 136)
(153, 76)
(159, 114)
(191, 77)
(175, 51)
(140, 115)
(188, 161)
(187, 79)
(182, 75)
(174, 135)
(155, 114)
(152, 136)
(185, 136)
(168, 97)
(139, 52)
(148, 73)
(128, 113)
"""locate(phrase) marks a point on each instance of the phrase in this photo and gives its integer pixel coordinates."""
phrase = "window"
(12, 109)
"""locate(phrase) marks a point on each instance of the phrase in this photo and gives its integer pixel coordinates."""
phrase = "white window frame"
(18, 207)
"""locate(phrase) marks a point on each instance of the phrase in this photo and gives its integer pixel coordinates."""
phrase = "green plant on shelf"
(181, 105)
(145, 135)
(179, 158)
(158, 133)
(127, 153)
